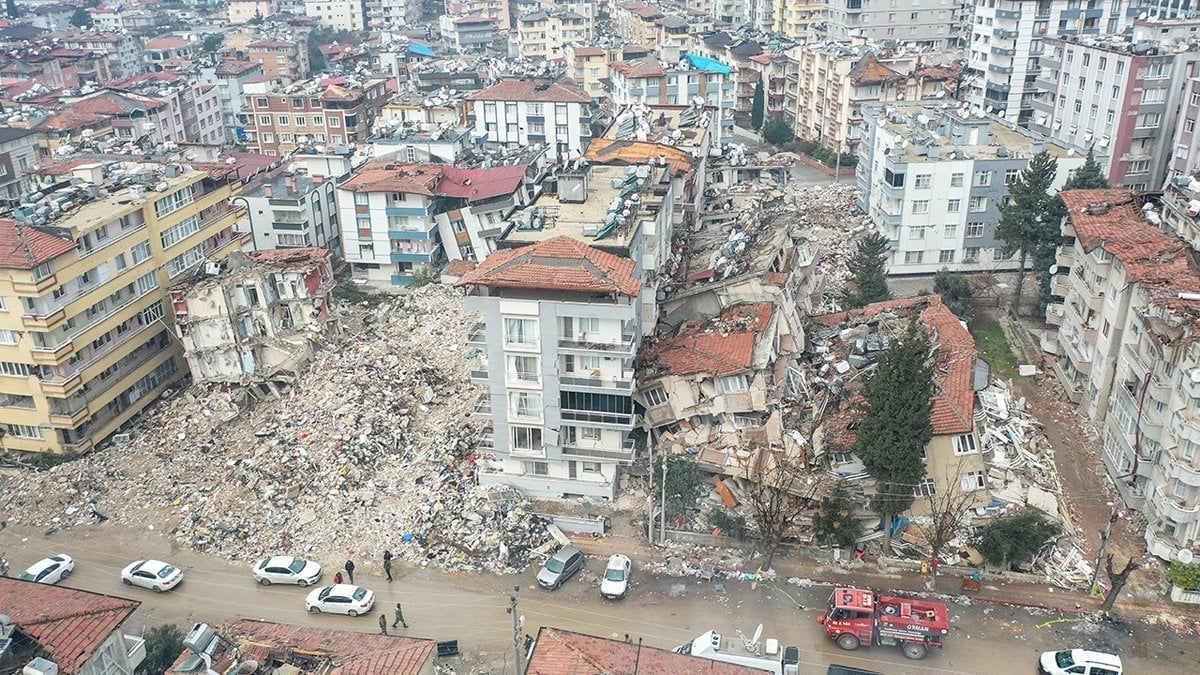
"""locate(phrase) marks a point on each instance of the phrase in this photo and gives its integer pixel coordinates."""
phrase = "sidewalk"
(995, 590)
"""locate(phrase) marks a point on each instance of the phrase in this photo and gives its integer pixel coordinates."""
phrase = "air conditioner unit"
(40, 666)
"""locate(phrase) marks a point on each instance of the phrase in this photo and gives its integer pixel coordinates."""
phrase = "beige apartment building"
(85, 326)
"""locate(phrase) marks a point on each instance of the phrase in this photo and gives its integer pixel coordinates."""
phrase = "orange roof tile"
(626, 152)
(438, 180)
(560, 91)
(869, 70)
(421, 179)
(38, 245)
(558, 652)
(457, 268)
(560, 263)
(722, 346)
(69, 624)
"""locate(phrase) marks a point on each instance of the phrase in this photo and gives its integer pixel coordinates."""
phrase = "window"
(264, 120)
(261, 102)
(335, 122)
(318, 120)
(175, 201)
(525, 404)
(1139, 166)
(590, 433)
(1180, 490)
(953, 205)
(655, 397)
(590, 467)
(42, 271)
(522, 332)
(732, 384)
(920, 206)
(186, 260)
(283, 120)
(8, 337)
(998, 255)
(1010, 175)
(174, 235)
(747, 421)
(974, 229)
(983, 178)
(971, 254)
(923, 181)
(1148, 120)
(1189, 125)
(972, 481)
(913, 257)
(527, 438)
(978, 204)
(916, 232)
(950, 231)
(24, 431)
(524, 369)
(536, 468)
(946, 256)
(956, 180)
(12, 369)
(3, 304)
(147, 282)
(141, 252)
(925, 488)
(268, 138)
(964, 444)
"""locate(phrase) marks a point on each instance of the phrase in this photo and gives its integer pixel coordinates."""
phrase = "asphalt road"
(662, 611)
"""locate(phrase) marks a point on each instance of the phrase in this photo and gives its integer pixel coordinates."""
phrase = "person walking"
(399, 617)
(337, 578)
(387, 565)
(350, 570)
(383, 623)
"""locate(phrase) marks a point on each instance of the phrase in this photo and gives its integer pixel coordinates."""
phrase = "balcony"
(583, 343)
(71, 420)
(479, 376)
(616, 419)
(44, 321)
(478, 335)
(486, 442)
(625, 455)
(623, 382)
(483, 406)
(1173, 508)
(1177, 468)
(135, 650)
(1054, 313)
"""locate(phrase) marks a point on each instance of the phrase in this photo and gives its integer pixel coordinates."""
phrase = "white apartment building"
(1117, 95)
(126, 57)
(676, 81)
(1128, 353)
(229, 78)
(924, 23)
(290, 209)
(241, 11)
(1006, 46)
(519, 113)
(384, 14)
(340, 14)
(932, 179)
(543, 34)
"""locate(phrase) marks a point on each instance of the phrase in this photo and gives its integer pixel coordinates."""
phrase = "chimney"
(267, 190)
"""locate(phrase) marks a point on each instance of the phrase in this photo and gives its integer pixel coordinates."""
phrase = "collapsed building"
(259, 320)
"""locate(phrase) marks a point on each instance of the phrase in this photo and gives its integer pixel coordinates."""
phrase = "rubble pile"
(827, 216)
(370, 449)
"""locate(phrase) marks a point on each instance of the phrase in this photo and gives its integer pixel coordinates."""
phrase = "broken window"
(732, 384)
(971, 481)
(747, 421)
(964, 444)
(655, 397)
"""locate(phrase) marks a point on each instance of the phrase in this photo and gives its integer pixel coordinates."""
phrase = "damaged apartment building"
(258, 320)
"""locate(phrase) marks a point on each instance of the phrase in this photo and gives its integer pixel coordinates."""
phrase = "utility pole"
(1112, 518)
(662, 526)
(518, 624)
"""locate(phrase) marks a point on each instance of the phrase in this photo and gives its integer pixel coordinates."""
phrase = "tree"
(316, 60)
(868, 271)
(835, 524)
(257, 20)
(949, 516)
(1030, 221)
(1015, 538)
(730, 523)
(163, 644)
(212, 43)
(10, 8)
(423, 276)
(778, 491)
(1117, 579)
(685, 483)
(80, 18)
(896, 427)
(955, 291)
(1184, 575)
(1089, 176)
(778, 132)
(758, 109)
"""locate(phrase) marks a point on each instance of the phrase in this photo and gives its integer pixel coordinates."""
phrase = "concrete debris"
(369, 450)
(705, 562)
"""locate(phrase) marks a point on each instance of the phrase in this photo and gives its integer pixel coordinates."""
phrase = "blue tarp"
(708, 65)
(422, 50)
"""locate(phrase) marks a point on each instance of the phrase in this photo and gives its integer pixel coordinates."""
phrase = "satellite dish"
(1195, 375)
(1184, 555)
(757, 635)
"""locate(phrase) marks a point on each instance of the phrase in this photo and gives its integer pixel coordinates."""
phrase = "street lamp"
(249, 217)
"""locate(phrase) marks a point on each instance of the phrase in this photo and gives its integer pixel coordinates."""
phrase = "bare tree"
(1118, 580)
(779, 491)
(949, 515)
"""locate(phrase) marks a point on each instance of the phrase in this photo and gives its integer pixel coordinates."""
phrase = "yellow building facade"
(86, 326)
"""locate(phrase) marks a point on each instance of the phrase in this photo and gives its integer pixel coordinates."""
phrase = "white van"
(1079, 662)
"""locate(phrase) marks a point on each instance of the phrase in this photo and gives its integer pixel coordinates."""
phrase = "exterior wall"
(927, 23)
(281, 59)
(231, 97)
(272, 120)
(564, 127)
(294, 220)
(467, 34)
(544, 36)
(679, 87)
(496, 9)
(589, 70)
(954, 472)
(796, 19)
(17, 156)
(340, 14)
(387, 239)
(120, 650)
(242, 11)
(125, 55)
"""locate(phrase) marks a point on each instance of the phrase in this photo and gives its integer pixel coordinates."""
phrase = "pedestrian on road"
(387, 564)
(399, 617)
(383, 623)
(337, 578)
(350, 570)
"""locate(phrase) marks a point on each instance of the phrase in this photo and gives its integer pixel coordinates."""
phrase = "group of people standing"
(398, 614)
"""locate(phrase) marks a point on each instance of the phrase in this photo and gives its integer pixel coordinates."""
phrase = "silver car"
(566, 562)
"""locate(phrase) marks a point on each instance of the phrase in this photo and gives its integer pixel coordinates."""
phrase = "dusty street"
(663, 611)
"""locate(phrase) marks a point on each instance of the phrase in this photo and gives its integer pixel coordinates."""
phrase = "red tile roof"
(561, 91)
(560, 263)
(348, 652)
(869, 70)
(635, 153)
(235, 67)
(722, 346)
(457, 268)
(38, 247)
(478, 184)
(648, 66)
(437, 180)
(561, 652)
(473, 19)
(589, 51)
(166, 43)
(69, 624)
(1149, 255)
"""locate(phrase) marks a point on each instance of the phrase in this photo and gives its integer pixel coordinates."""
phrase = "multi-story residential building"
(588, 65)
(543, 34)
(339, 14)
(1181, 208)
(1169, 9)
(195, 107)
(126, 57)
(1128, 353)
(832, 81)
(162, 51)
(397, 218)
(279, 58)
(85, 347)
(518, 113)
(279, 120)
(675, 81)
(494, 9)
(290, 209)
(926, 23)
(242, 11)
(1118, 95)
(18, 154)
(230, 78)
(797, 19)
(932, 179)
(260, 320)
(467, 33)
(385, 14)
(1006, 46)
(636, 23)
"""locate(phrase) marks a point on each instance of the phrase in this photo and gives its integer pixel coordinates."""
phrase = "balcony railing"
(483, 406)
(598, 417)
(585, 343)
(625, 454)
(478, 334)
(624, 381)
(1174, 508)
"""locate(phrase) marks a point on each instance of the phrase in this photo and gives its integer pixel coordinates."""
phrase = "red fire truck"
(859, 616)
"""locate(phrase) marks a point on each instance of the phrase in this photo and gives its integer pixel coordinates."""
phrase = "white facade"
(291, 211)
(340, 14)
(126, 57)
(516, 113)
(652, 82)
(927, 23)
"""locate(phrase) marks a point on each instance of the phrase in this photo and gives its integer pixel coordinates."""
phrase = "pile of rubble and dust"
(369, 450)
(829, 218)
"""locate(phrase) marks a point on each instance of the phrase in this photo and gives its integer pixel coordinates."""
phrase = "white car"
(286, 569)
(156, 575)
(50, 570)
(340, 599)
(1079, 661)
(615, 583)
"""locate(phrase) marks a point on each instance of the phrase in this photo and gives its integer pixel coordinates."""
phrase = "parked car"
(287, 569)
(566, 562)
(1079, 662)
(156, 575)
(340, 599)
(50, 570)
(835, 669)
(615, 583)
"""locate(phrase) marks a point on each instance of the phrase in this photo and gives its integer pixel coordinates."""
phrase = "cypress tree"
(868, 271)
